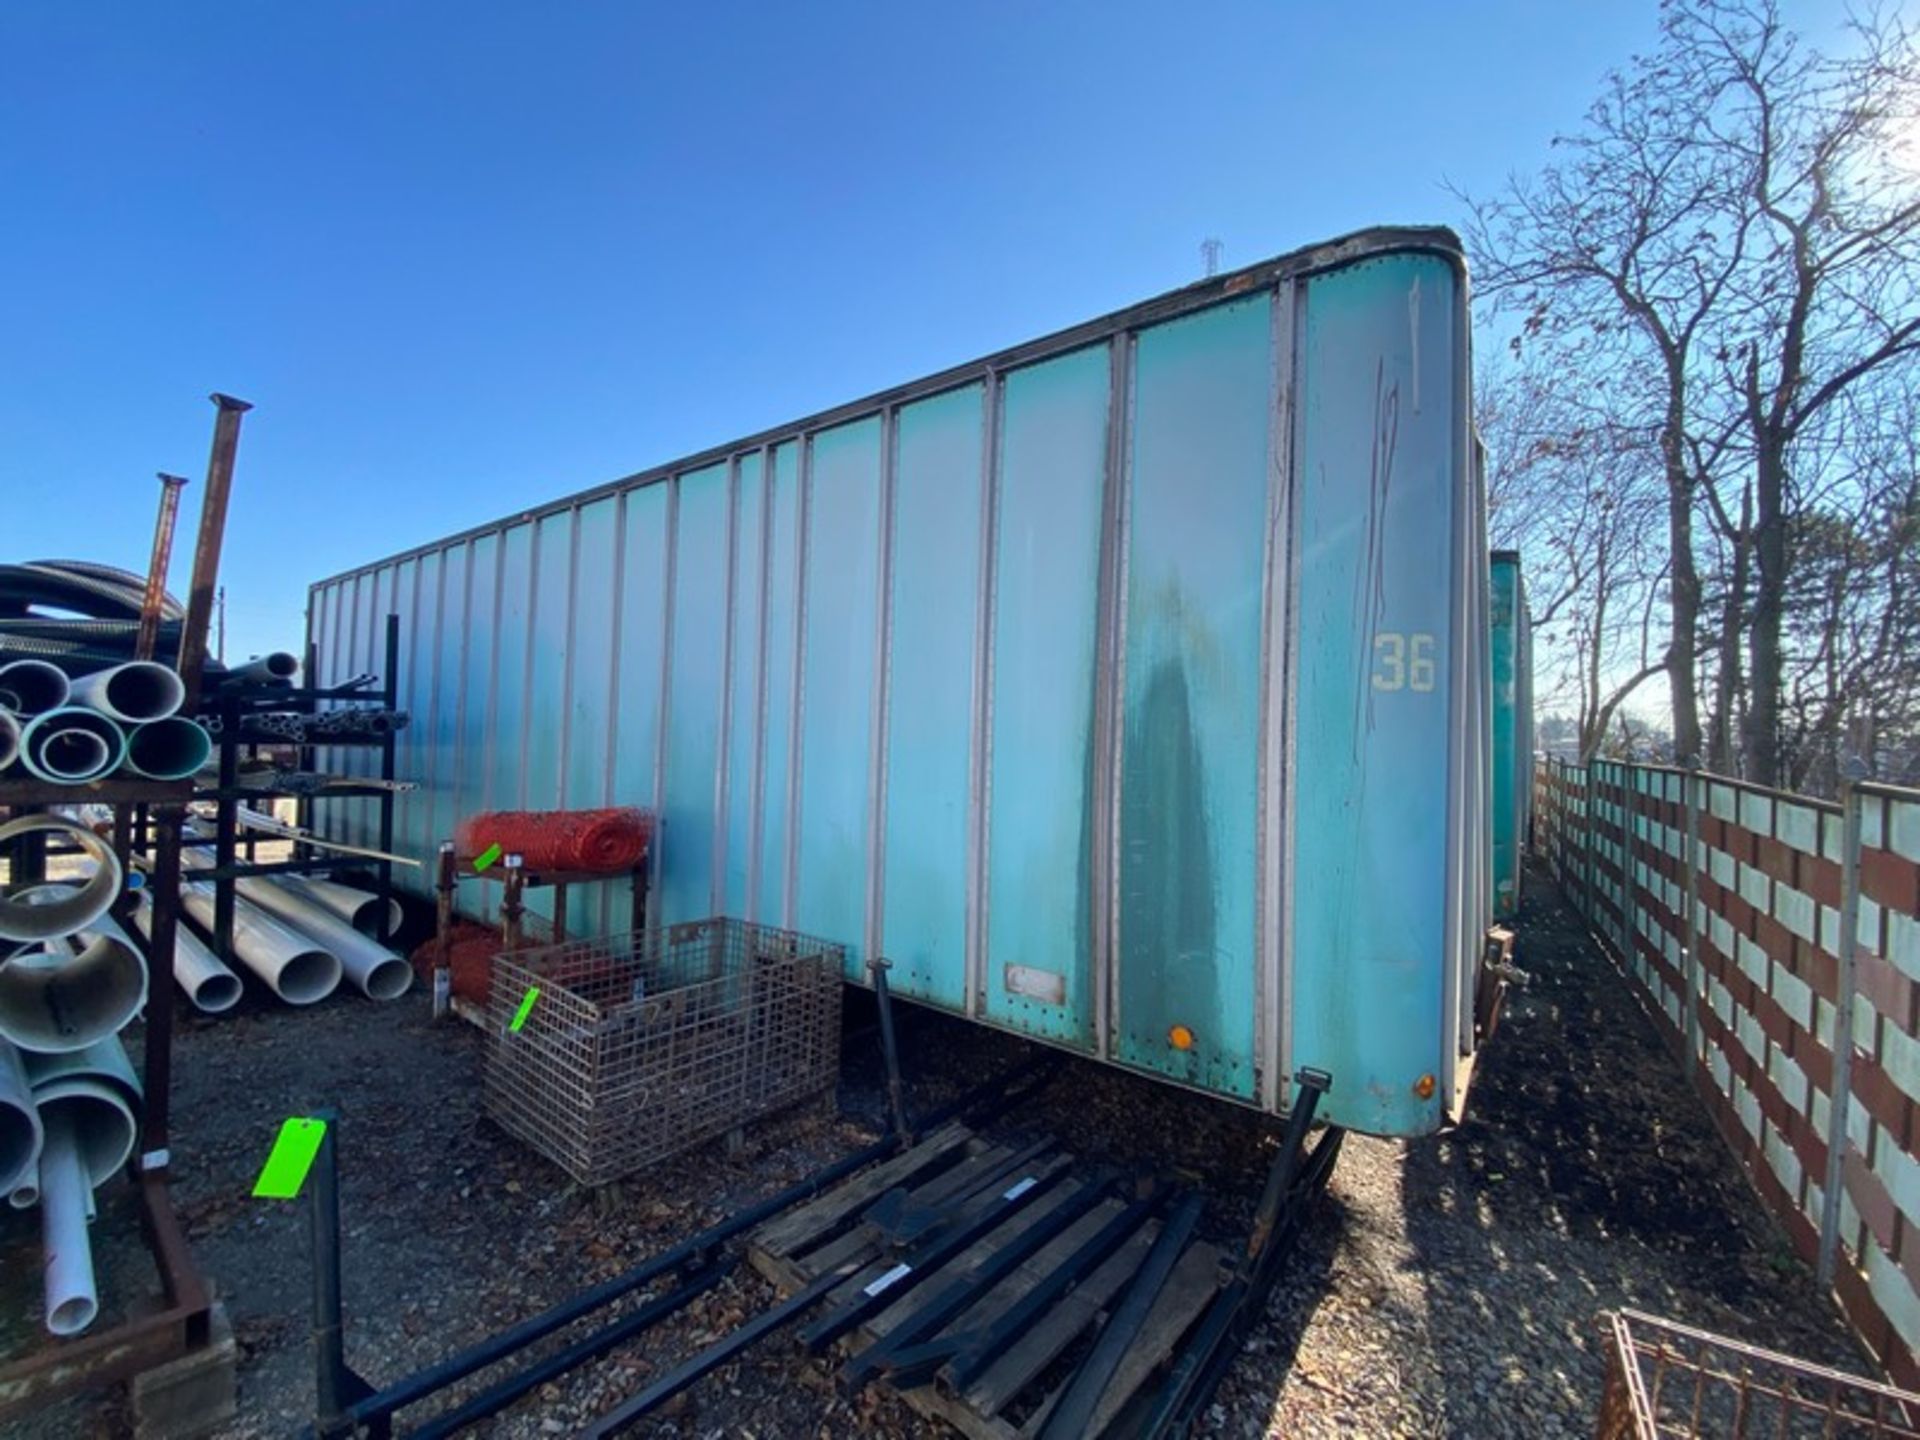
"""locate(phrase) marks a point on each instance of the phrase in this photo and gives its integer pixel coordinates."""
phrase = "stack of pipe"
(70, 979)
(303, 936)
(79, 616)
(76, 704)
(328, 725)
(72, 729)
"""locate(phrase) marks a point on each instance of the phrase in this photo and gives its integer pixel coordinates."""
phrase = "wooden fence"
(1724, 904)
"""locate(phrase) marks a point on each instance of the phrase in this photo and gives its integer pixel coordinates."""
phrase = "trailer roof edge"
(1366, 244)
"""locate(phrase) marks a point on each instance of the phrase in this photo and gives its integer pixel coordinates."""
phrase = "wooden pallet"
(1013, 1397)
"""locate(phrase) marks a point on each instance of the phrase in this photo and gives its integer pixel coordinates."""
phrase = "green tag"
(486, 857)
(286, 1168)
(526, 1008)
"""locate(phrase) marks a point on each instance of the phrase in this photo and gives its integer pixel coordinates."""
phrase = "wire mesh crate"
(641, 1046)
(1665, 1379)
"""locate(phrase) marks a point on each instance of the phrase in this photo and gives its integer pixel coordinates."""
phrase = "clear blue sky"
(468, 257)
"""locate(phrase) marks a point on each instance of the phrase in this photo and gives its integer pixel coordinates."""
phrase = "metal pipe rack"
(233, 735)
(177, 1320)
(148, 819)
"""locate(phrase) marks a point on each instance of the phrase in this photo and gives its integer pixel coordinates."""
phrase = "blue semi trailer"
(1129, 689)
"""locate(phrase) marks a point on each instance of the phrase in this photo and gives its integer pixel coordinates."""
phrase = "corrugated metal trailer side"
(1128, 689)
(1512, 656)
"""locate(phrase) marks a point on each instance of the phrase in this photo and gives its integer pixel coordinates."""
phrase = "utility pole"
(1210, 256)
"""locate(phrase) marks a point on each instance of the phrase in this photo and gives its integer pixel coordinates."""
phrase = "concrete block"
(192, 1395)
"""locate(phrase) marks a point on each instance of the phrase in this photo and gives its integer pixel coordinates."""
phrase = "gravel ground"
(1444, 1287)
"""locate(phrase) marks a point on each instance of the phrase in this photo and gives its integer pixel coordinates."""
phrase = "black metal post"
(1291, 1183)
(310, 681)
(443, 931)
(497, 1397)
(1312, 1085)
(957, 1295)
(877, 967)
(927, 1260)
(1073, 1416)
(497, 1347)
(986, 1345)
(375, 1410)
(158, 1066)
(390, 697)
(716, 1355)
(330, 1383)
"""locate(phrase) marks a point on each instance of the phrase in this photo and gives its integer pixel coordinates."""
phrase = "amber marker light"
(1180, 1037)
(1423, 1087)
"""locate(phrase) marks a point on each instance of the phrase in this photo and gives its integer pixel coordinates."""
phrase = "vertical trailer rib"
(722, 769)
(1271, 1042)
(980, 737)
(763, 563)
(1108, 688)
(882, 678)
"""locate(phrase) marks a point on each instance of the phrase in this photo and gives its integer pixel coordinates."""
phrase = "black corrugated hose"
(79, 615)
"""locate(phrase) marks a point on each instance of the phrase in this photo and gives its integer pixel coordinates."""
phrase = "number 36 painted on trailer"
(1402, 662)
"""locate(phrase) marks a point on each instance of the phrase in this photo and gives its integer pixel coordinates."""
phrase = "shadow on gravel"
(1585, 1177)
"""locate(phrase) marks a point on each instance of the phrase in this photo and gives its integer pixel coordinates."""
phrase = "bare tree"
(1617, 259)
(1826, 300)
(1851, 630)
(1728, 260)
(1580, 500)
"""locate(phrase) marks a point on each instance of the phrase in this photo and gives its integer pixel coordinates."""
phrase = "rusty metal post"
(1851, 802)
(512, 908)
(443, 934)
(150, 603)
(206, 550)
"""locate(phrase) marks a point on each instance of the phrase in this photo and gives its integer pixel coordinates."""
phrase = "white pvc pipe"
(137, 691)
(28, 687)
(9, 738)
(54, 1001)
(20, 1130)
(26, 920)
(71, 745)
(72, 1301)
(209, 984)
(26, 1194)
(170, 749)
(72, 754)
(377, 971)
(105, 1060)
(95, 1090)
(356, 907)
(296, 969)
(277, 668)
